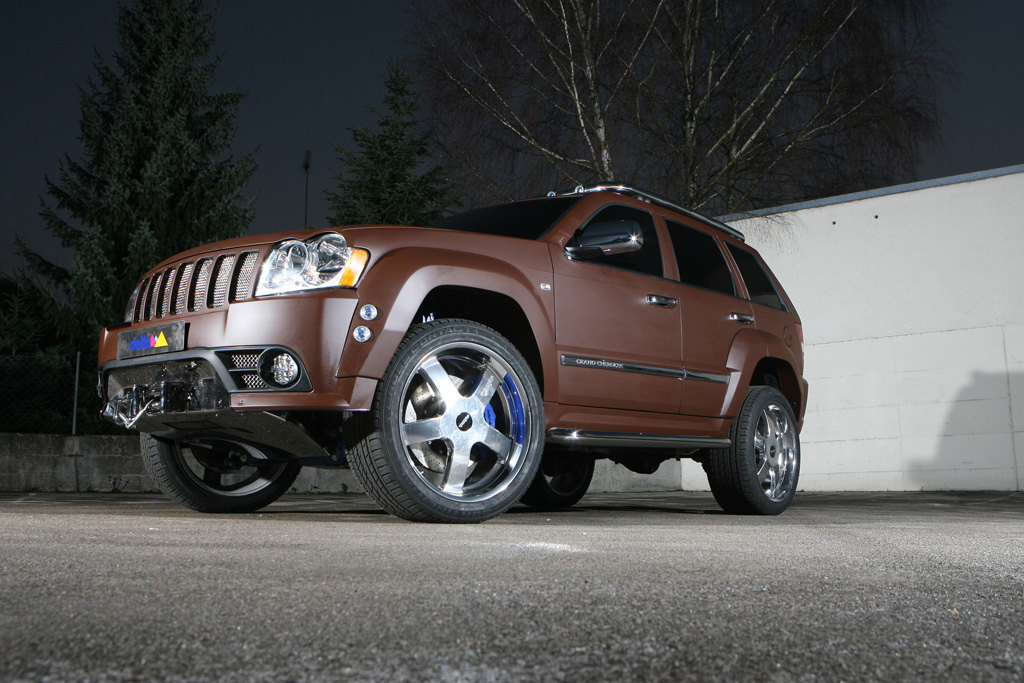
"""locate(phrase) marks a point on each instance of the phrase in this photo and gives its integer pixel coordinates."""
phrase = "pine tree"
(156, 174)
(19, 331)
(384, 182)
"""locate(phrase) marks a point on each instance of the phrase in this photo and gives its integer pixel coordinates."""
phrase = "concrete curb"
(109, 464)
(56, 463)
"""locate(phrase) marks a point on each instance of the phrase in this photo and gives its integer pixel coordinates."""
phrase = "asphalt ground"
(622, 587)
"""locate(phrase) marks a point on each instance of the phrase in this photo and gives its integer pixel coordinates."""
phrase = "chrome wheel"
(758, 473)
(464, 425)
(457, 427)
(775, 452)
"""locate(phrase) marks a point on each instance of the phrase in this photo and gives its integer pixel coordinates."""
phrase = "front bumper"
(214, 388)
(186, 395)
(313, 327)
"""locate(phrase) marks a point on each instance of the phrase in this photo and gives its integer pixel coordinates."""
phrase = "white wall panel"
(912, 304)
(1018, 445)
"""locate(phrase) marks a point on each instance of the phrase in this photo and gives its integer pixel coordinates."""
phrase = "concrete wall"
(49, 462)
(913, 311)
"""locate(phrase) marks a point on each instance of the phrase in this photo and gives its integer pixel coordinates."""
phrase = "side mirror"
(605, 238)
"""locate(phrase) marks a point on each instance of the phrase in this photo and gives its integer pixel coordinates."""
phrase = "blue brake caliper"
(515, 403)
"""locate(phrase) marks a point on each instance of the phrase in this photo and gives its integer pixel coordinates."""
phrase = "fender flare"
(750, 347)
(400, 280)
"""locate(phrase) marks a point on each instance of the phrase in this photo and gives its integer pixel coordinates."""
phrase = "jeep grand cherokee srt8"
(461, 368)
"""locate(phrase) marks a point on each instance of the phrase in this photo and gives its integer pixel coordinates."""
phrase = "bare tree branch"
(726, 106)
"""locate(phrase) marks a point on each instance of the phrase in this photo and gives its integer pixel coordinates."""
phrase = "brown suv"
(461, 368)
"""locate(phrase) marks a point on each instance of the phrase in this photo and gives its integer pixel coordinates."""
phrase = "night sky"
(312, 68)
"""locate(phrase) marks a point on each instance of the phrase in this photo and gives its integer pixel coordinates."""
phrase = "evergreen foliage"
(383, 182)
(19, 331)
(156, 174)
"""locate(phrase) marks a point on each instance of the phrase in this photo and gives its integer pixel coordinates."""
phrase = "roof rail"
(660, 201)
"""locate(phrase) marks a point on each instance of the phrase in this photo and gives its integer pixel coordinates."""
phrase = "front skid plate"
(257, 428)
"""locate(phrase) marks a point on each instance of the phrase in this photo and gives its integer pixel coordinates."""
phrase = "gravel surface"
(622, 587)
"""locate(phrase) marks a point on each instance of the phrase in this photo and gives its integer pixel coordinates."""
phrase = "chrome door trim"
(640, 369)
(602, 364)
(714, 377)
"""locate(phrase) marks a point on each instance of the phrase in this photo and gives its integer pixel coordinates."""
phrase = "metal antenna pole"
(305, 208)
(78, 375)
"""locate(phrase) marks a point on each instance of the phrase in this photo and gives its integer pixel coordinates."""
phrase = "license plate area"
(151, 341)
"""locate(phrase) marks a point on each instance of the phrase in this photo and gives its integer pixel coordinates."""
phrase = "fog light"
(285, 369)
(362, 334)
(279, 369)
(368, 312)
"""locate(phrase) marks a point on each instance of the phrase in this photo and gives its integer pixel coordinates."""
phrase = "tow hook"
(129, 406)
(131, 422)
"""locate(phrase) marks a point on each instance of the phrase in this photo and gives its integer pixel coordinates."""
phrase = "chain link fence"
(51, 394)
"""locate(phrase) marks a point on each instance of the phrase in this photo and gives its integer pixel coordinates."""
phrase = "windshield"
(530, 219)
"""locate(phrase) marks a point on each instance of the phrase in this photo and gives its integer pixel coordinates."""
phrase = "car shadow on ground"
(358, 504)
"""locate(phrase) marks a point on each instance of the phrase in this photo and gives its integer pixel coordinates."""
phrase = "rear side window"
(701, 262)
(647, 259)
(759, 285)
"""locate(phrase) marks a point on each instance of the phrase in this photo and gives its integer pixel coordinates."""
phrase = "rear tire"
(216, 476)
(758, 474)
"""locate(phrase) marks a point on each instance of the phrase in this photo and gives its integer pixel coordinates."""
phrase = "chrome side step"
(576, 437)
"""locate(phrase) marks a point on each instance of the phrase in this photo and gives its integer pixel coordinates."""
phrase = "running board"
(576, 437)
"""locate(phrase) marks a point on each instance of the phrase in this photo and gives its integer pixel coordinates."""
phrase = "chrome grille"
(140, 300)
(151, 296)
(181, 297)
(197, 298)
(192, 286)
(167, 292)
(221, 277)
(253, 381)
(245, 361)
(243, 281)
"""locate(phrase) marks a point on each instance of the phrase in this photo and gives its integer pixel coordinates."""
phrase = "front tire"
(457, 426)
(213, 475)
(758, 474)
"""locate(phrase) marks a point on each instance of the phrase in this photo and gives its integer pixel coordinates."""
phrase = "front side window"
(701, 263)
(647, 259)
(759, 285)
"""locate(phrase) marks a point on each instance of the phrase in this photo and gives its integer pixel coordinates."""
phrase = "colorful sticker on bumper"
(148, 341)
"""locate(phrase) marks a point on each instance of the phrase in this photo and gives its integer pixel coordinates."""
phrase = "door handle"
(662, 301)
(741, 318)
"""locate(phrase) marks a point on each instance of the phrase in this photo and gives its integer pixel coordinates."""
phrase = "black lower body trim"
(574, 437)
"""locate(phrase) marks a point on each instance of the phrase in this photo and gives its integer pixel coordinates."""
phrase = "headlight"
(316, 263)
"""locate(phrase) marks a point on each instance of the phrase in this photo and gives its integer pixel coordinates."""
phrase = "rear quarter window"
(759, 284)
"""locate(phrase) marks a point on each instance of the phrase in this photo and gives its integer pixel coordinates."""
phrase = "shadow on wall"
(967, 443)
